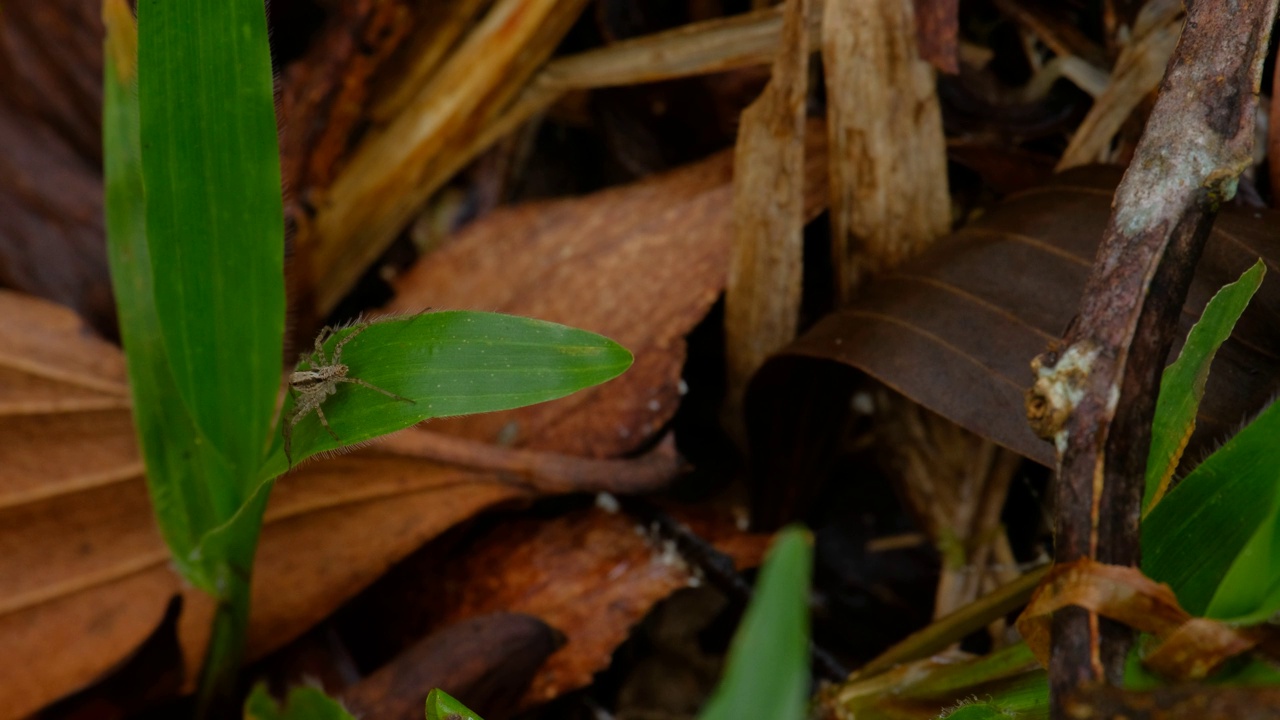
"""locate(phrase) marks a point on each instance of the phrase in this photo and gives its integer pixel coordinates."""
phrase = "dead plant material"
(674, 231)
(591, 574)
(949, 329)
(397, 166)
(762, 295)
(1137, 72)
(938, 33)
(485, 661)
(50, 150)
(545, 472)
(1197, 142)
(888, 155)
(1191, 648)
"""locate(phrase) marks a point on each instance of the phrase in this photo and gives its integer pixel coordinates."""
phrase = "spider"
(311, 387)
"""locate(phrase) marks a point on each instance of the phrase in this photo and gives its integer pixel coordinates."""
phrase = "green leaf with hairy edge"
(182, 465)
(304, 703)
(1194, 536)
(978, 711)
(215, 221)
(448, 363)
(1182, 386)
(768, 669)
(442, 706)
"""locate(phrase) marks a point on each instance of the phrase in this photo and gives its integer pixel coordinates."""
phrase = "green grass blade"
(1194, 536)
(1182, 386)
(442, 706)
(450, 363)
(768, 671)
(181, 464)
(214, 217)
(304, 703)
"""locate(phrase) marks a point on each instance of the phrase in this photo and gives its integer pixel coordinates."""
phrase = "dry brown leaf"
(1192, 647)
(397, 166)
(888, 154)
(938, 33)
(50, 149)
(589, 573)
(485, 661)
(108, 581)
(955, 329)
(762, 297)
(641, 264)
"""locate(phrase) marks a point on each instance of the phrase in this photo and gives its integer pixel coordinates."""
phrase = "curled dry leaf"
(1192, 647)
(954, 330)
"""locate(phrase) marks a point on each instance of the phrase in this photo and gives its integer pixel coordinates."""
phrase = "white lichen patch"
(1058, 390)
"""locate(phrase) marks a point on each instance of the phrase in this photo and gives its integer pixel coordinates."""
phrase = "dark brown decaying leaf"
(953, 330)
(762, 295)
(485, 661)
(588, 573)
(50, 151)
(577, 262)
(938, 33)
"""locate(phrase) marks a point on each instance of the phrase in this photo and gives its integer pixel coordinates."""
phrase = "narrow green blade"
(214, 217)
(1182, 386)
(1194, 536)
(182, 465)
(768, 671)
(447, 363)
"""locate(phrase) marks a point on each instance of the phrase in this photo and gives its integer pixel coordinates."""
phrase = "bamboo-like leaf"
(1223, 514)
(442, 706)
(182, 465)
(768, 671)
(214, 218)
(448, 363)
(1183, 383)
(304, 703)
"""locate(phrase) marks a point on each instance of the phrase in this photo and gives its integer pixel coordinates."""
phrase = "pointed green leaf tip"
(768, 671)
(442, 706)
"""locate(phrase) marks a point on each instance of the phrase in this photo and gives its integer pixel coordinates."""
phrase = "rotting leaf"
(488, 660)
(955, 329)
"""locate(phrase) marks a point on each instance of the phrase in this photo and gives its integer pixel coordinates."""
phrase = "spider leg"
(337, 349)
(371, 386)
(325, 422)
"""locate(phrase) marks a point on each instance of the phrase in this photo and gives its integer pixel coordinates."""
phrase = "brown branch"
(546, 472)
(1096, 396)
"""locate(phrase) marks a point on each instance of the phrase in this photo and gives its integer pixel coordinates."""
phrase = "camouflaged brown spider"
(311, 387)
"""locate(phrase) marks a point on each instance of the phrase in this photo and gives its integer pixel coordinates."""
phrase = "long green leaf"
(1182, 386)
(449, 363)
(768, 671)
(1194, 536)
(214, 218)
(182, 465)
